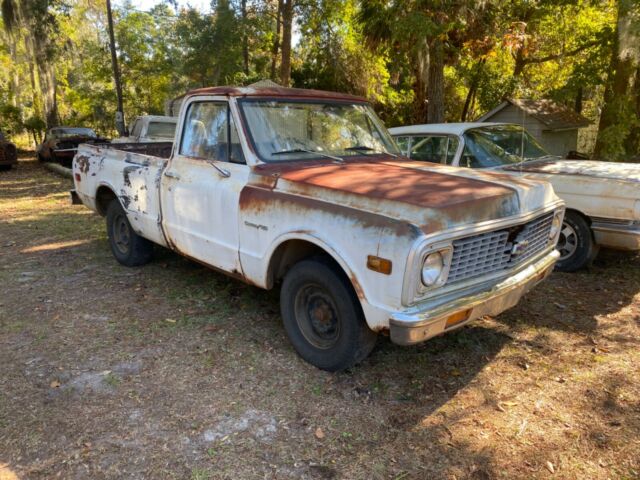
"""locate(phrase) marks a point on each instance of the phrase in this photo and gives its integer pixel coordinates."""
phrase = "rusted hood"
(586, 168)
(432, 199)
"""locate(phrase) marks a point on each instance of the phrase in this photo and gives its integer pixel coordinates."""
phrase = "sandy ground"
(173, 371)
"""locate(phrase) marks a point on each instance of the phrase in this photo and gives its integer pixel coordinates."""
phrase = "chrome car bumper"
(420, 322)
(617, 235)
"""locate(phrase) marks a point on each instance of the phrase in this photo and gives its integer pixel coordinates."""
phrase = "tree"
(619, 121)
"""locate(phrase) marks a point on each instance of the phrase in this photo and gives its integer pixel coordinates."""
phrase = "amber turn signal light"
(378, 264)
(457, 318)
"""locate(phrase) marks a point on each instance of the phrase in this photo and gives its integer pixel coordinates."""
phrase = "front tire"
(129, 248)
(576, 245)
(322, 316)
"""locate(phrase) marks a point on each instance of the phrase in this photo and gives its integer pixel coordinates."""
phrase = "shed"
(552, 124)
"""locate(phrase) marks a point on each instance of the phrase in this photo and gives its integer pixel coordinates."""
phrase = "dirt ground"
(174, 371)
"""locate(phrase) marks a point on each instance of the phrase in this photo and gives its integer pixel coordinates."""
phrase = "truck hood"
(431, 197)
(584, 168)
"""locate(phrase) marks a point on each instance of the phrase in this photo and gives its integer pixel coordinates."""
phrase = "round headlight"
(556, 225)
(432, 268)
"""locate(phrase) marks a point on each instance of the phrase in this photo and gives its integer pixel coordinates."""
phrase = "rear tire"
(129, 248)
(576, 244)
(322, 316)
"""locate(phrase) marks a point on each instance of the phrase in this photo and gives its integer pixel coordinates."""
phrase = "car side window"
(403, 144)
(136, 130)
(452, 148)
(429, 148)
(207, 134)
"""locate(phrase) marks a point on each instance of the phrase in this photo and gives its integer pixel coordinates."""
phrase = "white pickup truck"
(150, 128)
(602, 198)
(305, 189)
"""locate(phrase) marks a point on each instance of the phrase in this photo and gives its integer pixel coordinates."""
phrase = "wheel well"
(291, 252)
(104, 195)
(578, 212)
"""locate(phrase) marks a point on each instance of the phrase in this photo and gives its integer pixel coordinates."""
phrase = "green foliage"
(382, 50)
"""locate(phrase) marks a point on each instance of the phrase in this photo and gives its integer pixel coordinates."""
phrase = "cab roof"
(441, 128)
(279, 92)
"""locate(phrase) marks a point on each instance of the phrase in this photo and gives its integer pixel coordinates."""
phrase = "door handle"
(170, 174)
(224, 173)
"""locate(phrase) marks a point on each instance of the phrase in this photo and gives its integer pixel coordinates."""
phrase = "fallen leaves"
(550, 467)
(54, 384)
(319, 433)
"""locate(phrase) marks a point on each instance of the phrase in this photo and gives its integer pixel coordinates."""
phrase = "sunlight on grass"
(54, 246)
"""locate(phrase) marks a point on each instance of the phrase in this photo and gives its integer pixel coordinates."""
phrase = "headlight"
(556, 225)
(432, 269)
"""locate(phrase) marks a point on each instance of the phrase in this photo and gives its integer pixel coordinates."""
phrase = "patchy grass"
(174, 371)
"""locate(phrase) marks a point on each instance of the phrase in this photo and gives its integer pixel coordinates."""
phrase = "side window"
(207, 135)
(452, 148)
(403, 144)
(136, 129)
(429, 149)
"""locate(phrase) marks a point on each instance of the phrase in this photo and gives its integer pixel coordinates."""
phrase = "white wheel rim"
(567, 242)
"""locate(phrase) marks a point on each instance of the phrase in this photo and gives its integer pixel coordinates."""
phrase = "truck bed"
(153, 149)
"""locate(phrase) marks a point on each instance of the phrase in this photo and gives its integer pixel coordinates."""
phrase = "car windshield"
(284, 130)
(161, 129)
(499, 145)
(73, 132)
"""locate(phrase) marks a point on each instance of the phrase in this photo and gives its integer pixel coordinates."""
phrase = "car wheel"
(322, 316)
(575, 244)
(127, 246)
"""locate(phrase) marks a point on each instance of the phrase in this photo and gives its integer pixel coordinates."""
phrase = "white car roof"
(442, 128)
(160, 118)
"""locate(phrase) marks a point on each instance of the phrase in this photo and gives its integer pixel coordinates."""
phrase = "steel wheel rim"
(121, 234)
(317, 316)
(567, 241)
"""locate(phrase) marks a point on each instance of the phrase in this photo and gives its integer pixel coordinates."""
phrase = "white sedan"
(602, 198)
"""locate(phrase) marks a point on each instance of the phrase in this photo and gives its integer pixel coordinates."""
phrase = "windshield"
(73, 132)
(284, 130)
(161, 129)
(499, 145)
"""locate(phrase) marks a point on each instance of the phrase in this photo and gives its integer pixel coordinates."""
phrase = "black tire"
(576, 244)
(4, 168)
(129, 248)
(335, 335)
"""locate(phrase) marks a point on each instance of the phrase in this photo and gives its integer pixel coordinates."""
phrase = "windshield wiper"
(360, 148)
(304, 150)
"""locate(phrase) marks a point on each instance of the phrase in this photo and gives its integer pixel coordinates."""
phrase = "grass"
(497, 399)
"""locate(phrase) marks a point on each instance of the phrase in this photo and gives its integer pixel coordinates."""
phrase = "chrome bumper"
(420, 323)
(618, 236)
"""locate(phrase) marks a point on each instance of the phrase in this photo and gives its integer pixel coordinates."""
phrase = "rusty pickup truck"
(306, 189)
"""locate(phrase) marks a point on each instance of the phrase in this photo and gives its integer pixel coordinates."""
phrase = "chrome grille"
(500, 250)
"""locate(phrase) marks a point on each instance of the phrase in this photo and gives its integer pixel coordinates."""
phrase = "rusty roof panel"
(279, 92)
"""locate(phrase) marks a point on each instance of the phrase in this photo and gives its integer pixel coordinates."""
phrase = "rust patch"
(261, 202)
(83, 163)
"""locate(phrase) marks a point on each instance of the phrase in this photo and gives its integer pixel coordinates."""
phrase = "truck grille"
(499, 250)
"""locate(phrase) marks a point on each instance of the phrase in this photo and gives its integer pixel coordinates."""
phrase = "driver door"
(202, 184)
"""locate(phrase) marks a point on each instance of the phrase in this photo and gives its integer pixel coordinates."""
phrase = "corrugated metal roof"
(554, 116)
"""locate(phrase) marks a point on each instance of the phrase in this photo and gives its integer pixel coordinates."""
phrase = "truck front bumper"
(617, 235)
(421, 322)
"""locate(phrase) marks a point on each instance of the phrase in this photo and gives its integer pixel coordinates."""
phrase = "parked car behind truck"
(61, 143)
(306, 188)
(602, 198)
(8, 153)
(150, 128)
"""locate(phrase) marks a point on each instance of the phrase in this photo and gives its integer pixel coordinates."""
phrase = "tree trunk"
(421, 73)
(632, 143)
(473, 88)
(578, 105)
(276, 42)
(287, 26)
(618, 109)
(435, 87)
(245, 40)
